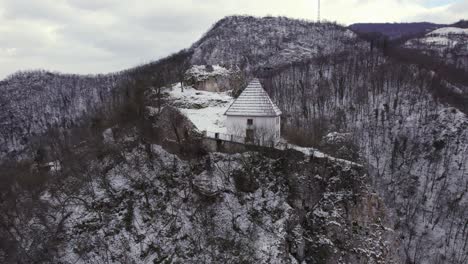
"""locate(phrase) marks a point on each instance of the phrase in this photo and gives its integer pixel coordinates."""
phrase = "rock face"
(173, 125)
(213, 78)
(144, 205)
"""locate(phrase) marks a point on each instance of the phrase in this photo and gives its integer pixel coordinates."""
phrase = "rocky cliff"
(137, 203)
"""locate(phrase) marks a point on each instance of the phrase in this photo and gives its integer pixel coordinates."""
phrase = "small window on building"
(277, 120)
(249, 122)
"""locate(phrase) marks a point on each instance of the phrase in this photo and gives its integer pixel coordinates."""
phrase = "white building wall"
(266, 128)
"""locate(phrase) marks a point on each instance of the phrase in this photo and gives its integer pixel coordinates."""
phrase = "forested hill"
(117, 196)
(461, 24)
(252, 43)
(448, 43)
(35, 102)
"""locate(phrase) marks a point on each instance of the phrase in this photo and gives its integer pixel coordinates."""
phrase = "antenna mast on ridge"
(318, 11)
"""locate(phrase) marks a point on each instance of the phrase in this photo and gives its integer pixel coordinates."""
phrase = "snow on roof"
(253, 101)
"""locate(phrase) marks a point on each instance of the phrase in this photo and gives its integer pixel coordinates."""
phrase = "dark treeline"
(394, 30)
(461, 24)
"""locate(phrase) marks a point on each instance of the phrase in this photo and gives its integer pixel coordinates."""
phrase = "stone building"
(254, 116)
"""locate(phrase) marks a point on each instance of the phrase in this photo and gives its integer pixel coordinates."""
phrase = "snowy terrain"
(34, 102)
(204, 109)
(146, 205)
(253, 42)
(445, 38)
(450, 43)
(116, 196)
(413, 144)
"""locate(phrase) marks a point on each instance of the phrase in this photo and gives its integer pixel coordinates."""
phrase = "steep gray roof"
(253, 101)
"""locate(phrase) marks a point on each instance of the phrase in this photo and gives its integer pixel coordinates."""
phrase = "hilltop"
(252, 42)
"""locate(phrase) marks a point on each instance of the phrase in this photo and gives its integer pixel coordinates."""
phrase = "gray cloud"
(89, 36)
(90, 5)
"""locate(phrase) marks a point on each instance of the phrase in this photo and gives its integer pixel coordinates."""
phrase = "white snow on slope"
(438, 40)
(204, 109)
(449, 30)
(448, 37)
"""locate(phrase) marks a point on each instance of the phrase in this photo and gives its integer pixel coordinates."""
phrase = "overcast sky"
(98, 36)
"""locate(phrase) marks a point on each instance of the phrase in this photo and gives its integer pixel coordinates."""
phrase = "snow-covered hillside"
(141, 204)
(204, 109)
(120, 197)
(414, 144)
(252, 42)
(443, 39)
(214, 78)
(450, 43)
(35, 102)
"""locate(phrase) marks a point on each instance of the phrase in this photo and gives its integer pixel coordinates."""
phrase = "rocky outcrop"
(172, 125)
(144, 205)
(214, 78)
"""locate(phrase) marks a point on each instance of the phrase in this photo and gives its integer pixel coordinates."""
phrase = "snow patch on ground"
(336, 138)
(439, 40)
(54, 166)
(312, 152)
(204, 109)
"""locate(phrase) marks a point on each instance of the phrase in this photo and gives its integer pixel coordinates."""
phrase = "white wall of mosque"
(264, 127)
